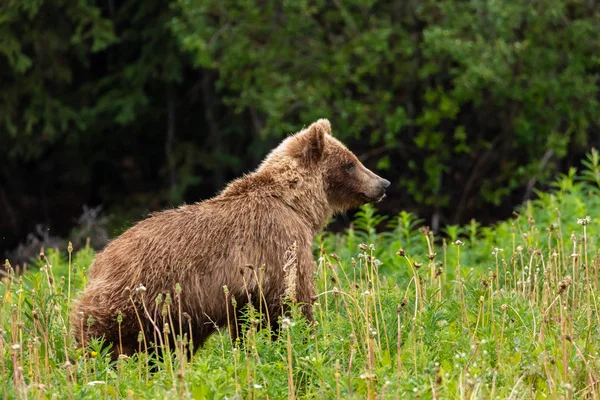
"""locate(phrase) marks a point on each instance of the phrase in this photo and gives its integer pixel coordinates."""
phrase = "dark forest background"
(467, 106)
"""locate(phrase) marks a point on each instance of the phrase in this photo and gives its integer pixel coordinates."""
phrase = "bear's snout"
(377, 186)
(384, 185)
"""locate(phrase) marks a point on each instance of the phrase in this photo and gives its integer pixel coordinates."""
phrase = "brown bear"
(241, 239)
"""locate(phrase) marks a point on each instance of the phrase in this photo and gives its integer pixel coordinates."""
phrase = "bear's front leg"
(308, 314)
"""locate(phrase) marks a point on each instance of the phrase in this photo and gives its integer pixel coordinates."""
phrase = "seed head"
(290, 268)
(564, 284)
(584, 221)
(497, 251)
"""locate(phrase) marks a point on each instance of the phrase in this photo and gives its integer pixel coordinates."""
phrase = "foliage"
(86, 93)
(40, 65)
(470, 100)
(504, 311)
(467, 107)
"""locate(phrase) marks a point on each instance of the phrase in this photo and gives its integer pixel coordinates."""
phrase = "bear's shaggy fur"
(255, 221)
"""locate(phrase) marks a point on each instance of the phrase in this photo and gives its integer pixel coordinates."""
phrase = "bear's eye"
(349, 166)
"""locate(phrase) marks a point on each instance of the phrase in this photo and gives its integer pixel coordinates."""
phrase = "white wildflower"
(140, 289)
(286, 323)
(367, 375)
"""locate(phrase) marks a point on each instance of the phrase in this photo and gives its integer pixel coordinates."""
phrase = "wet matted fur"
(224, 241)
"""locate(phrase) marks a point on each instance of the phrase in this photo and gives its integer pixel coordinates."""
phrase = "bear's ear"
(324, 122)
(314, 143)
(308, 146)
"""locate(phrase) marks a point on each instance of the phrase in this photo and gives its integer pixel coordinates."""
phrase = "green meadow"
(502, 311)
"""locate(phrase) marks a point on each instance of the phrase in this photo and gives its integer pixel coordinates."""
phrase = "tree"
(463, 102)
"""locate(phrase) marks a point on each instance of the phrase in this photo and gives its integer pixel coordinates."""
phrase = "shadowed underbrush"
(507, 311)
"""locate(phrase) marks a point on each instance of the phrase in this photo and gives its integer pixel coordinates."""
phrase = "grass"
(507, 311)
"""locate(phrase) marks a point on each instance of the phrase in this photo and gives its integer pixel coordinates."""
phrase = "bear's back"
(210, 238)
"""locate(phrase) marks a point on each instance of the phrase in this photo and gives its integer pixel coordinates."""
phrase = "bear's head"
(347, 182)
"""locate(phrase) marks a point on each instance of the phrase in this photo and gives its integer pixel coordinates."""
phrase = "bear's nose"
(385, 183)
